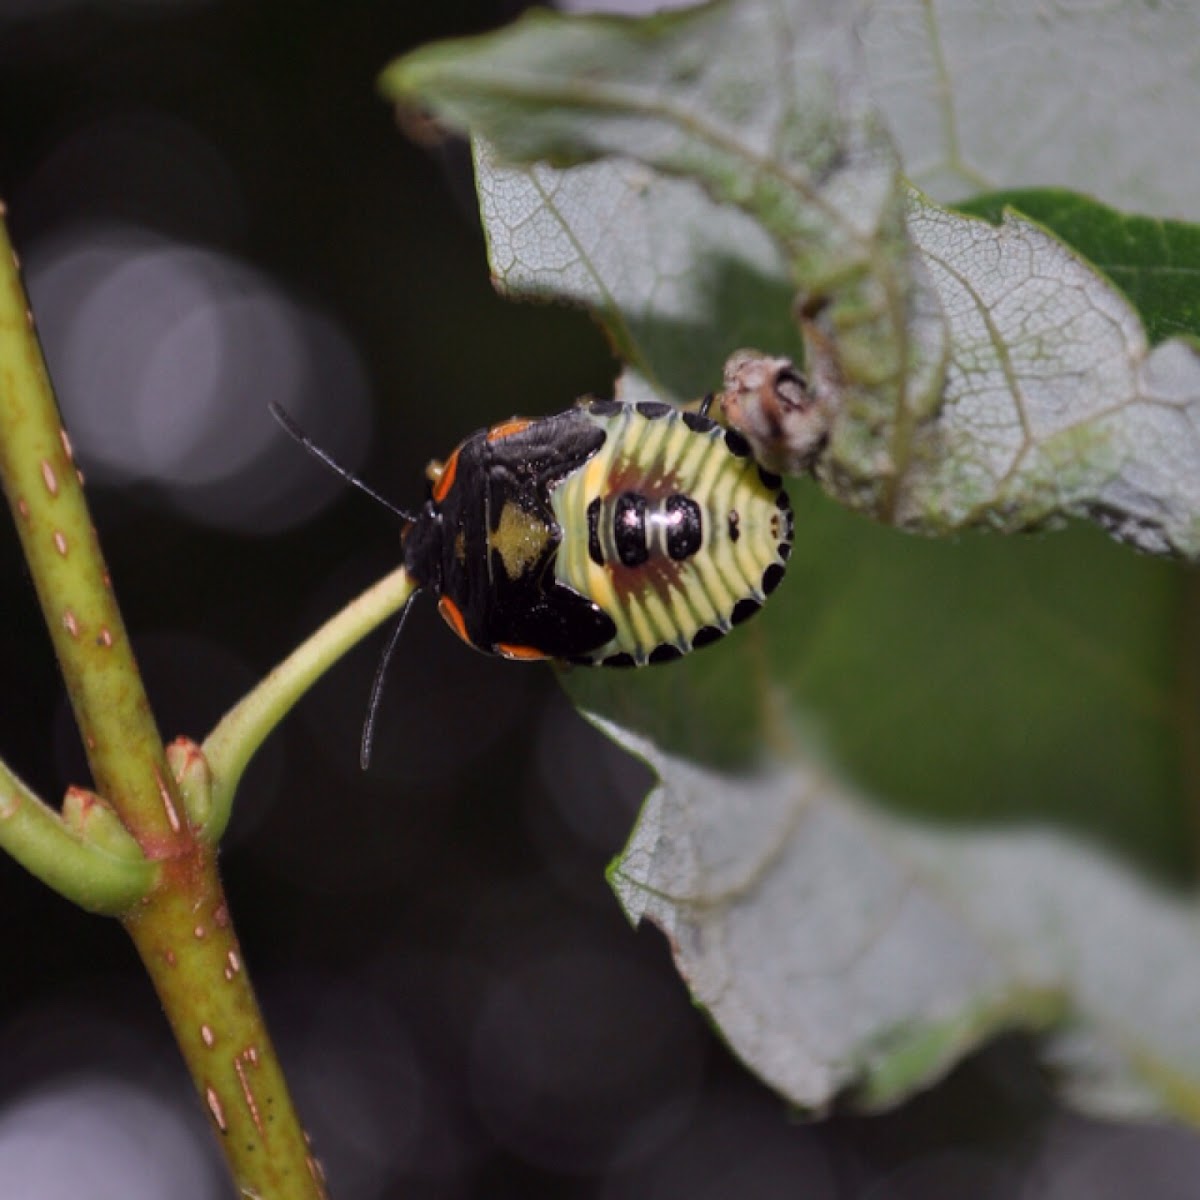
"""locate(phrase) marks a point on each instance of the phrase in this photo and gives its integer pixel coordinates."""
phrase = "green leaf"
(982, 680)
(1156, 263)
(912, 802)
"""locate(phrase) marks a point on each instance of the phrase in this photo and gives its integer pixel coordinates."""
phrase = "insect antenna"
(297, 434)
(368, 733)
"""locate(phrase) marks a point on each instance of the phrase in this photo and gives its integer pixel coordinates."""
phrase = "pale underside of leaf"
(659, 263)
(986, 94)
(779, 127)
(780, 123)
(844, 954)
(1054, 402)
(991, 377)
(978, 375)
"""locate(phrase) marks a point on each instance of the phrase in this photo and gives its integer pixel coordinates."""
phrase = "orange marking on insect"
(49, 478)
(207, 1036)
(445, 478)
(66, 444)
(104, 637)
(453, 617)
(23, 507)
(70, 624)
(526, 653)
(60, 542)
(505, 429)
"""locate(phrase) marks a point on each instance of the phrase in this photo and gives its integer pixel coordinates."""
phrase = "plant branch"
(102, 879)
(182, 928)
(243, 729)
(186, 938)
(45, 491)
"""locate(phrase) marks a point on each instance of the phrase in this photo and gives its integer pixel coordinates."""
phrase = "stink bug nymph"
(613, 534)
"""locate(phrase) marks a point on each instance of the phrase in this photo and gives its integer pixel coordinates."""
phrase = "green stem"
(45, 492)
(186, 938)
(181, 929)
(243, 729)
(65, 859)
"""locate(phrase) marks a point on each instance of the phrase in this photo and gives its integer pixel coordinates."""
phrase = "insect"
(614, 534)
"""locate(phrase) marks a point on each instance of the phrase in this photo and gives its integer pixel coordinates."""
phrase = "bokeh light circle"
(95, 1135)
(165, 357)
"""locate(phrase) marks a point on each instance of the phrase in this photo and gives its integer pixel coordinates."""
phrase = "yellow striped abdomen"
(672, 528)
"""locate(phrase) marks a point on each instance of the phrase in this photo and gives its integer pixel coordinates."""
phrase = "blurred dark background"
(215, 209)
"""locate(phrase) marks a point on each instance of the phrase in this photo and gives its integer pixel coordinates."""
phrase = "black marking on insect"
(613, 534)
(600, 535)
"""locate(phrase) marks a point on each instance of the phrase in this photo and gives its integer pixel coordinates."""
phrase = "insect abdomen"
(672, 529)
